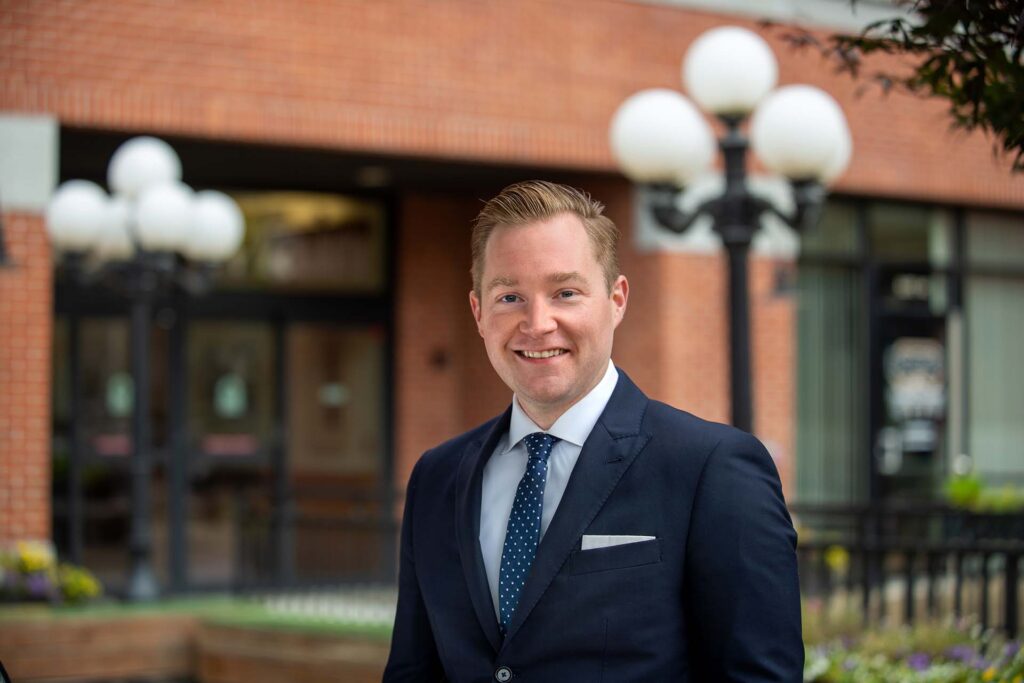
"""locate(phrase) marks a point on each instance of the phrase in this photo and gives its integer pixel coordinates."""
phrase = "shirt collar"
(576, 423)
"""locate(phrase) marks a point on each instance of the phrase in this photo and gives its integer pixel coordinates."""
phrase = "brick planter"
(241, 655)
(161, 647)
(97, 648)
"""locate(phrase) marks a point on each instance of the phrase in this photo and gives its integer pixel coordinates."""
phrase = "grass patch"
(219, 610)
(256, 616)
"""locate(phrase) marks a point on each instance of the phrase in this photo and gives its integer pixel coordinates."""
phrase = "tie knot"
(539, 445)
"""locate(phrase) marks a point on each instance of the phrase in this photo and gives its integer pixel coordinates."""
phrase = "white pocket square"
(595, 541)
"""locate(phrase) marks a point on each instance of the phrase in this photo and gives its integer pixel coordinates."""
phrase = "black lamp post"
(153, 234)
(3, 245)
(661, 141)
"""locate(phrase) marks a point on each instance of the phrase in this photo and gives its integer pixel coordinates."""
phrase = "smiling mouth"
(550, 353)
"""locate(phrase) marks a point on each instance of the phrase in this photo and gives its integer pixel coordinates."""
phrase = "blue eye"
(508, 298)
(566, 294)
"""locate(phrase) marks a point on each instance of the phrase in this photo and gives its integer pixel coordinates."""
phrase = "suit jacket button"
(503, 674)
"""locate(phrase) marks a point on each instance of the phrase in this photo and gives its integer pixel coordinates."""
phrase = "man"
(588, 533)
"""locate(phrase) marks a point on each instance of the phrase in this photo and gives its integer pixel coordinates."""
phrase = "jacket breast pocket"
(615, 557)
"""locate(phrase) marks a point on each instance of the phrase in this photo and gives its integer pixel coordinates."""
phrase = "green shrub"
(970, 492)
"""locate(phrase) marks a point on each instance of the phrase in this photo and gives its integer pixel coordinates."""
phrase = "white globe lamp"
(658, 136)
(728, 70)
(799, 131)
(140, 163)
(163, 216)
(217, 229)
(75, 215)
(114, 242)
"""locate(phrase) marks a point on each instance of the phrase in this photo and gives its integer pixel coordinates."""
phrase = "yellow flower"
(34, 557)
(989, 674)
(1019, 678)
(837, 558)
(78, 584)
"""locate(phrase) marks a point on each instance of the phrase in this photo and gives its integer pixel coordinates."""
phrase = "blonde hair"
(535, 200)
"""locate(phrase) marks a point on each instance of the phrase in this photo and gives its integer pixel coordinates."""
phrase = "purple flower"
(850, 664)
(962, 653)
(38, 585)
(919, 661)
(1012, 648)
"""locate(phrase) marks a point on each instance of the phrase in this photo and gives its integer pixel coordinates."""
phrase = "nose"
(538, 320)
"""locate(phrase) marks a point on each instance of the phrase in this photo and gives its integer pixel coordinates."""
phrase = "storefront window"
(908, 232)
(836, 233)
(309, 242)
(995, 240)
(874, 359)
(832, 420)
(994, 311)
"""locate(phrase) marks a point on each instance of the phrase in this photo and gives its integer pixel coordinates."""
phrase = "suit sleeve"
(413, 654)
(742, 590)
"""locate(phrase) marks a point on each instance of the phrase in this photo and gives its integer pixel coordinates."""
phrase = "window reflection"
(336, 400)
(908, 232)
(309, 241)
(230, 387)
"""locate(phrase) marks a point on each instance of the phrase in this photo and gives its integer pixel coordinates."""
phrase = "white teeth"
(543, 354)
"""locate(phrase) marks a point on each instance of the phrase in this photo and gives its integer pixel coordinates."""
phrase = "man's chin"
(545, 398)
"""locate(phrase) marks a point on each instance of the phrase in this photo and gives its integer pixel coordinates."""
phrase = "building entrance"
(271, 398)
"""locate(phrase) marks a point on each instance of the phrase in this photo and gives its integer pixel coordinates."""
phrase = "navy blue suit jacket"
(713, 598)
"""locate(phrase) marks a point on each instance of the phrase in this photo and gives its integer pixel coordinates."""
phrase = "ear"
(619, 298)
(474, 305)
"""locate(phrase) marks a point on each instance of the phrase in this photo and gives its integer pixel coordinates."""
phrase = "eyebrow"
(566, 277)
(502, 281)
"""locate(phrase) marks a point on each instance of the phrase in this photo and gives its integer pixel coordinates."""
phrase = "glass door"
(231, 425)
(336, 451)
(270, 408)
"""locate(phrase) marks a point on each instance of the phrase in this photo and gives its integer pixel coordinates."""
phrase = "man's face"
(545, 313)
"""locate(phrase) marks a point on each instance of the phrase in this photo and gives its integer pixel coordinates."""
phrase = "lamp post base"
(142, 585)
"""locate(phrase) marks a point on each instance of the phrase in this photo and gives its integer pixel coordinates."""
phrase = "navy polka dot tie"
(523, 531)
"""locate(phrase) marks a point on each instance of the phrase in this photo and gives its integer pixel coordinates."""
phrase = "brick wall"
(773, 361)
(533, 81)
(444, 381)
(26, 322)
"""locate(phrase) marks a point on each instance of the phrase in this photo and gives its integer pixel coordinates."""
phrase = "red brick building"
(359, 138)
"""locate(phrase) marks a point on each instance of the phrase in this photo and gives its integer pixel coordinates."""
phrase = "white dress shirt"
(507, 465)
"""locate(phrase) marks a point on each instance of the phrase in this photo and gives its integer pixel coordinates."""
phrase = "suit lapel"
(607, 454)
(467, 526)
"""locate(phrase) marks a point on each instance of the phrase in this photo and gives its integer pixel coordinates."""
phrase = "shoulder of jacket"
(706, 435)
(455, 446)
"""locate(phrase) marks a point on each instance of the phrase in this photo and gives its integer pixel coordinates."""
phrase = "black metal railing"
(315, 541)
(907, 562)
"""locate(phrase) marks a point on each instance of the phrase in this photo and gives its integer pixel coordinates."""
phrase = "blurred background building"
(359, 138)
